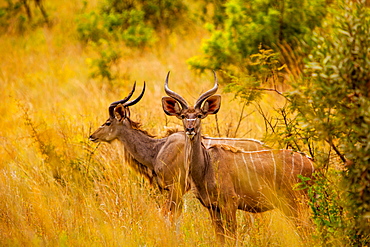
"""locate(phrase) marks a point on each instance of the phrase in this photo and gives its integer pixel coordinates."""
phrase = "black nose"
(190, 130)
(93, 139)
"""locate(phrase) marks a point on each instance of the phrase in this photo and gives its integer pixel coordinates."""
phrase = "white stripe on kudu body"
(246, 144)
(248, 173)
(227, 179)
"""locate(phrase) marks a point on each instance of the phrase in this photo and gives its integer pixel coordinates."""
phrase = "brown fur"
(137, 126)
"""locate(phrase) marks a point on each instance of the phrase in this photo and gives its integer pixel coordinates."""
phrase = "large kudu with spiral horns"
(227, 179)
(160, 160)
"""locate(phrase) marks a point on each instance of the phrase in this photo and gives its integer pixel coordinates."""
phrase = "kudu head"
(191, 116)
(119, 114)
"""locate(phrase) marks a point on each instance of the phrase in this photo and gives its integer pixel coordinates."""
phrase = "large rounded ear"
(211, 105)
(171, 107)
(119, 112)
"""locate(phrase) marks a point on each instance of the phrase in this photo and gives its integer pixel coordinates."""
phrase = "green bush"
(137, 34)
(90, 27)
(248, 87)
(102, 67)
(134, 23)
(326, 203)
(19, 16)
(128, 26)
(247, 25)
(333, 102)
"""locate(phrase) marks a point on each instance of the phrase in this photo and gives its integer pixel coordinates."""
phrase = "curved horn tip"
(174, 95)
(142, 91)
(215, 76)
(133, 102)
(133, 87)
(216, 81)
(126, 98)
(166, 81)
(207, 94)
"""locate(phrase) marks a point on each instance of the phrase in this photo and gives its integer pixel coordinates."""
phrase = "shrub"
(18, 16)
(128, 26)
(333, 104)
(247, 25)
(134, 23)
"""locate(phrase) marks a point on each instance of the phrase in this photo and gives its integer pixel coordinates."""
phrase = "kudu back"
(227, 179)
(159, 160)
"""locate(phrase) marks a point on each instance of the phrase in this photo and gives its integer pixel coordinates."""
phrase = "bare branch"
(341, 156)
(267, 121)
(241, 117)
(269, 89)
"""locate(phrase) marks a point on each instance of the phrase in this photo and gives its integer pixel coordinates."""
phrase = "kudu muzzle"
(190, 127)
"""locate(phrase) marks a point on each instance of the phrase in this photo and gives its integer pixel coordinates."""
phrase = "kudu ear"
(171, 107)
(119, 112)
(211, 105)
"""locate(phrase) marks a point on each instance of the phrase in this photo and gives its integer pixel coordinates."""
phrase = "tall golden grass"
(58, 189)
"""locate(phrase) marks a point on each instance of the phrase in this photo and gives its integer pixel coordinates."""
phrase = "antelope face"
(110, 130)
(191, 121)
(105, 133)
(119, 114)
(191, 117)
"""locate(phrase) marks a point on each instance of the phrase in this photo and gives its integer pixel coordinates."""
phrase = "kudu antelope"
(228, 179)
(159, 160)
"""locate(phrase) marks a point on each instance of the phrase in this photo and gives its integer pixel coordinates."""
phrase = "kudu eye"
(108, 123)
(182, 116)
(200, 116)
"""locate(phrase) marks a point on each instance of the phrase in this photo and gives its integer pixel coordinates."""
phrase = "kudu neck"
(143, 147)
(198, 160)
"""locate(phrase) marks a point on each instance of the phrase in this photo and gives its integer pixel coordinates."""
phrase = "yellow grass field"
(59, 189)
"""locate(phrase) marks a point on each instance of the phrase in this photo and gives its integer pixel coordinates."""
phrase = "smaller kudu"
(227, 179)
(159, 160)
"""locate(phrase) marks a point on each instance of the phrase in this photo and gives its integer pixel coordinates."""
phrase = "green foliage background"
(334, 101)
